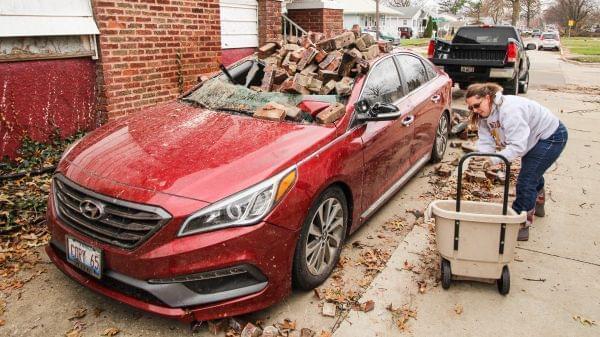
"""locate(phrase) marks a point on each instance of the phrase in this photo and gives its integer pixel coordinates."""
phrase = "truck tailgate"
(469, 54)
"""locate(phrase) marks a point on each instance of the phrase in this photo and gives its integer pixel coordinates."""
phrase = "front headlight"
(241, 209)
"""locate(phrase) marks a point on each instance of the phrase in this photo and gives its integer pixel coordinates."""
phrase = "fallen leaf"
(74, 332)
(98, 311)
(367, 306)
(458, 309)
(325, 334)
(111, 332)
(288, 324)
(78, 314)
(584, 321)
(2, 322)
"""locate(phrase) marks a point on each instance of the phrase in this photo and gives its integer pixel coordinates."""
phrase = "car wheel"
(539, 47)
(441, 139)
(524, 85)
(321, 239)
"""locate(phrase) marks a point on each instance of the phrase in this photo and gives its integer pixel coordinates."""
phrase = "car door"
(426, 98)
(386, 143)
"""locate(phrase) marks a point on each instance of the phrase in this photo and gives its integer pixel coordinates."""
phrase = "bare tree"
(564, 10)
(530, 9)
(452, 6)
(474, 10)
(494, 9)
(399, 3)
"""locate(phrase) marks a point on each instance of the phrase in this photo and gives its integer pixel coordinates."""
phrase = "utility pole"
(377, 20)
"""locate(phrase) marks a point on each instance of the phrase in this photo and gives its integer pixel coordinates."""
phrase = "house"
(415, 18)
(70, 65)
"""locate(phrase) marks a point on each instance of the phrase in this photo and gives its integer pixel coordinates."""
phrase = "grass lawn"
(414, 42)
(584, 49)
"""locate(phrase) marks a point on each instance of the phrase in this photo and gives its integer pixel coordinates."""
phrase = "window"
(383, 84)
(431, 73)
(413, 70)
(405, 22)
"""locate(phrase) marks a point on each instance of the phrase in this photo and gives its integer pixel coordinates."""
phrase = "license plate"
(84, 257)
(467, 69)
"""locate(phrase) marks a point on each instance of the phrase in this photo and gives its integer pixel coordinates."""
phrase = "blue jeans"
(534, 164)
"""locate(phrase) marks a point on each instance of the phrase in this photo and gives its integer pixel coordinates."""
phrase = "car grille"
(120, 223)
(486, 55)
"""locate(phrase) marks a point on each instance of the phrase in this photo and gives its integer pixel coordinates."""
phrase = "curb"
(564, 58)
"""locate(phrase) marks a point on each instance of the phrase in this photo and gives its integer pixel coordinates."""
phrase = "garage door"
(239, 23)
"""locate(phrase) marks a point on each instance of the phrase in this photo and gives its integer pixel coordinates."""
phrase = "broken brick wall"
(269, 21)
(39, 98)
(153, 50)
(324, 20)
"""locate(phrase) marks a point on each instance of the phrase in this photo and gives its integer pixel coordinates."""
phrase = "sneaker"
(539, 203)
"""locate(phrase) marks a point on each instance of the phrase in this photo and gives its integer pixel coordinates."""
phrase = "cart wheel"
(504, 281)
(446, 274)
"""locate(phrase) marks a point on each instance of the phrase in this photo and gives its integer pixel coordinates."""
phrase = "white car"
(549, 40)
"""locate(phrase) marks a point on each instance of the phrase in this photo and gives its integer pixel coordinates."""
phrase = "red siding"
(38, 97)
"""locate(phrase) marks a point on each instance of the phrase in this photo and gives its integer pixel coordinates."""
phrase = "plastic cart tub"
(476, 240)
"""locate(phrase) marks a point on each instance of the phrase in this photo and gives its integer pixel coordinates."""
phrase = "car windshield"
(482, 35)
(549, 36)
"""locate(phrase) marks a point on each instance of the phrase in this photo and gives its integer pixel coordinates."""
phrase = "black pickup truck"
(484, 54)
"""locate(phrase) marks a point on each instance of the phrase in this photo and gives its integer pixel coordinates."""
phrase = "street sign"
(571, 23)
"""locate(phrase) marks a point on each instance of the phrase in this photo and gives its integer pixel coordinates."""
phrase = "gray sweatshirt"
(515, 124)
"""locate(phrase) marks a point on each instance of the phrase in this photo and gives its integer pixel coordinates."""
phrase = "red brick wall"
(327, 21)
(269, 21)
(151, 50)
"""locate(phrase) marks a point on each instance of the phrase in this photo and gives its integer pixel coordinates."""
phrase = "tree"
(429, 28)
(564, 10)
(531, 9)
(494, 9)
(452, 6)
(405, 3)
(516, 11)
(474, 10)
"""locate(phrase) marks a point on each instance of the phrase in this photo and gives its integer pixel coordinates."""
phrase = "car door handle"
(436, 98)
(407, 121)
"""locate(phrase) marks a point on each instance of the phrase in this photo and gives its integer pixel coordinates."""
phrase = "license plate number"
(84, 257)
(467, 69)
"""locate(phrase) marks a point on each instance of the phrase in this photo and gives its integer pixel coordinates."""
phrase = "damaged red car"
(195, 209)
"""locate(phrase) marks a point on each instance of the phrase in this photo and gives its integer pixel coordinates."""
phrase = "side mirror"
(377, 112)
(531, 46)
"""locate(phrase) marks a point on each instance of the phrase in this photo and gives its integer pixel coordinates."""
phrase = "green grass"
(587, 46)
(414, 42)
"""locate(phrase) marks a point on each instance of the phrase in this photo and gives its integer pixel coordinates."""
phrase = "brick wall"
(152, 50)
(324, 20)
(269, 21)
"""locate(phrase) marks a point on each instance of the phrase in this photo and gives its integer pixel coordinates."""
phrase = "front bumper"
(154, 276)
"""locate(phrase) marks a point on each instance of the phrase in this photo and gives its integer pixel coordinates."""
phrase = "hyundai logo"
(91, 209)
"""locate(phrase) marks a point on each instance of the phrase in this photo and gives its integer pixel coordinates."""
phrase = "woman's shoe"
(540, 201)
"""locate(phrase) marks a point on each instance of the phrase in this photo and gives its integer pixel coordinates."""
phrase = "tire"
(512, 87)
(523, 87)
(440, 143)
(504, 281)
(311, 267)
(446, 274)
(540, 48)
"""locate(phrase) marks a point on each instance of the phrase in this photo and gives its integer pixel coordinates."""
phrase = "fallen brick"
(292, 39)
(250, 330)
(267, 49)
(267, 80)
(293, 113)
(279, 76)
(270, 331)
(296, 55)
(368, 39)
(348, 61)
(344, 40)
(306, 332)
(310, 69)
(271, 111)
(477, 177)
(321, 55)
(344, 86)
(331, 57)
(443, 170)
(290, 86)
(307, 57)
(469, 147)
(326, 75)
(372, 52)
(331, 114)
(385, 46)
(328, 88)
(360, 44)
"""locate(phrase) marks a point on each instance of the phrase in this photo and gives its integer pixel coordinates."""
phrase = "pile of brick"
(313, 65)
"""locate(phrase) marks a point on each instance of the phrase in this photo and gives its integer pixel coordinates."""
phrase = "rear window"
(550, 36)
(482, 35)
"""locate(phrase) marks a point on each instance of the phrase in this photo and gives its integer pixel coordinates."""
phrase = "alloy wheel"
(325, 236)
(441, 136)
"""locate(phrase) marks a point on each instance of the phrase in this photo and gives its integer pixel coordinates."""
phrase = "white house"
(415, 18)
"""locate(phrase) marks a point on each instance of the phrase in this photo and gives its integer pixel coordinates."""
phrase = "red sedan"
(197, 214)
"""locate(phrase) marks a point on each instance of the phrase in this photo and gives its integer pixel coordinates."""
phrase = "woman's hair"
(481, 90)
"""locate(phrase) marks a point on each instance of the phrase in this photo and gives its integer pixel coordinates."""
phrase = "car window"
(383, 84)
(482, 35)
(549, 36)
(431, 73)
(413, 70)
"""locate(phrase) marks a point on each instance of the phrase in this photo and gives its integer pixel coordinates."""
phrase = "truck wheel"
(524, 84)
(512, 87)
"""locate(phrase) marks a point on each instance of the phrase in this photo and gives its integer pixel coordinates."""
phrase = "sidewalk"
(554, 280)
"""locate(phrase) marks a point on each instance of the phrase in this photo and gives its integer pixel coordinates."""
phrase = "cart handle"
(506, 178)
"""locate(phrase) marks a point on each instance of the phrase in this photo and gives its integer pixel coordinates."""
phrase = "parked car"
(405, 32)
(536, 33)
(549, 40)
(482, 54)
(197, 213)
(395, 40)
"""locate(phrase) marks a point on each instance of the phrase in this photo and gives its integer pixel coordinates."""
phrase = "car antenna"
(226, 72)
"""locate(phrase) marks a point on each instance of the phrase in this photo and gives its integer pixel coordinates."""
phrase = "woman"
(523, 128)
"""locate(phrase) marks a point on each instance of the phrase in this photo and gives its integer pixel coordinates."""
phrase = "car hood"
(192, 152)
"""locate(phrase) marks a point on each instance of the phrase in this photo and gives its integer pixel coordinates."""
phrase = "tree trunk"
(516, 6)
